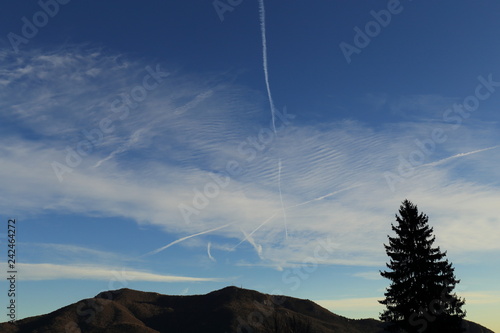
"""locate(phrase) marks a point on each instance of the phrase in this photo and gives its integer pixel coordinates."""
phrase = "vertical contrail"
(281, 199)
(262, 12)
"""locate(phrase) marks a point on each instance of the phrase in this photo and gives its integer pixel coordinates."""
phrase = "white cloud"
(72, 253)
(331, 178)
(38, 272)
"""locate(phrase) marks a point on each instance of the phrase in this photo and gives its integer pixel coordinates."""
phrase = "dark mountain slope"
(223, 311)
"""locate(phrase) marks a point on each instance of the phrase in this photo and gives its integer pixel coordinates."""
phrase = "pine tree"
(419, 298)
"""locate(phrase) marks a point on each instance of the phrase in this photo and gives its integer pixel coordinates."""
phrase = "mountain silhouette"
(229, 310)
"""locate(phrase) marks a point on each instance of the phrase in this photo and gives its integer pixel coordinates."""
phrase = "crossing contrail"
(262, 11)
(281, 199)
(250, 234)
(183, 239)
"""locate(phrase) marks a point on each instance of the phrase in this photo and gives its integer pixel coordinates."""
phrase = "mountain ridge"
(227, 310)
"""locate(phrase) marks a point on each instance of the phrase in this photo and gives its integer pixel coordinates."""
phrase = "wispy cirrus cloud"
(45, 271)
(155, 158)
(69, 253)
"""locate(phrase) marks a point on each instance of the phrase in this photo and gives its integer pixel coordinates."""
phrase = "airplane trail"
(250, 234)
(325, 196)
(193, 103)
(297, 205)
(183, 239)
(281, 199)
(208, 251)
(444, 160)
(126, 146)
(262, 12)
(257, 247)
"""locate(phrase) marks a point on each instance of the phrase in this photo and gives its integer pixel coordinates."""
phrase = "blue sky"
(127, 127)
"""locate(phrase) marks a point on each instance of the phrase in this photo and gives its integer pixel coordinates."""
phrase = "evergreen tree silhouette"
(419, 297)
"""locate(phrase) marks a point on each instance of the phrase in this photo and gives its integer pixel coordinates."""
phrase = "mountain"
(229, 310)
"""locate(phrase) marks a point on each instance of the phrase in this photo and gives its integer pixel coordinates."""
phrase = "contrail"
(134, 138)
(281, 199)
(325, 196)
(208, 251)
(250, 234)
(197, 100)
(262, 12)
(257, 247)
(183, 239)
(444, 160)
(247, 236)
